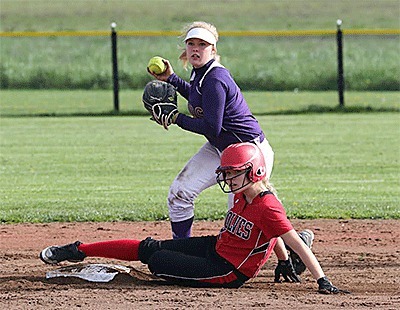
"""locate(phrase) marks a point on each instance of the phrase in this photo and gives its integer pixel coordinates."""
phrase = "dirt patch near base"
(358, 255)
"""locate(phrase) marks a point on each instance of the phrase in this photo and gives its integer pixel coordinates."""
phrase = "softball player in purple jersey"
(219, 113)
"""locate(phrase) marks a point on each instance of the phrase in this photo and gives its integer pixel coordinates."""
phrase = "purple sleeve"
(214, 97)
(181, 85)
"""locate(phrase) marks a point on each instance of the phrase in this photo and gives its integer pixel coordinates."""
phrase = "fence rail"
(272, 33)
(285, 33)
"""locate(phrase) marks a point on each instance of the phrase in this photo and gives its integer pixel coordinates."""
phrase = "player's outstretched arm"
(292, 239)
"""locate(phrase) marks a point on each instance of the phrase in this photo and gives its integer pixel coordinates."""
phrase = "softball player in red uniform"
(254, 227)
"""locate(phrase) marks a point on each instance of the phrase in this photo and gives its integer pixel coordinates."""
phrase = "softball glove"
(160, 99)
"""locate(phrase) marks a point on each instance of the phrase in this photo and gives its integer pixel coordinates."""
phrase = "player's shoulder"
(219, 70)
(218, 75)
(268, 200)
(267, 195)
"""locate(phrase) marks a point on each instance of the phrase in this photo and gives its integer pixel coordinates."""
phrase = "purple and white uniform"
(221, 114)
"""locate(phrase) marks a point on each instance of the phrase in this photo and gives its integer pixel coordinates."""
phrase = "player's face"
(199, 52)
(237, 180)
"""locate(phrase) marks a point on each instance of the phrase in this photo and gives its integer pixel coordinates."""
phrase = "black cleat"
(57, 254)
(308, 237)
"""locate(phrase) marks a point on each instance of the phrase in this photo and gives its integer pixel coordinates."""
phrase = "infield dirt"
(362, 256)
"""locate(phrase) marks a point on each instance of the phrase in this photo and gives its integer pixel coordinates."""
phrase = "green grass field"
(27, 103)
(55, 15)
(69, 168)
(265, 63)
(67, 156)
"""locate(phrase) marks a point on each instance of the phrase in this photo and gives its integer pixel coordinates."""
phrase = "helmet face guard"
(225, 183)
(245, 157)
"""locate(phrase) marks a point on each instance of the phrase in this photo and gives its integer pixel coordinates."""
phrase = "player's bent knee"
(147, 248)
(180, 204)
(159, 264)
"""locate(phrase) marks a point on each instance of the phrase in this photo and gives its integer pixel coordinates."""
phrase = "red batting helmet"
(244, 156)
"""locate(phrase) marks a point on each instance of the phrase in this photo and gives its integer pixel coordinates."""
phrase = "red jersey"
(248, 230)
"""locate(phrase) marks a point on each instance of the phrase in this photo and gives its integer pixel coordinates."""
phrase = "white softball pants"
(198, 175)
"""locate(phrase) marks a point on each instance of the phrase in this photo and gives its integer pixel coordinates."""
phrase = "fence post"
(340, 77)
(114, 66)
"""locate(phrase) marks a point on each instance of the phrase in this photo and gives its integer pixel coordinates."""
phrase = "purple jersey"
(220, 112)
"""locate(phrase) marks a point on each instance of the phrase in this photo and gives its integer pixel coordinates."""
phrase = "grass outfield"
(55, 15)
(257, 63)
(27, 103)
(73, 168)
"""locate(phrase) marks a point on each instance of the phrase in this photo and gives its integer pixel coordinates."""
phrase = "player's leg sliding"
(124, 249)
(188, 262)
(308, 237)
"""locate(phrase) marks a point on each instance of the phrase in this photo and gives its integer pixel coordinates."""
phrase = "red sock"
(124, 249)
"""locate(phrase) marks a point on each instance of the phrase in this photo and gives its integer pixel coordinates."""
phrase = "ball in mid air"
(156, 65)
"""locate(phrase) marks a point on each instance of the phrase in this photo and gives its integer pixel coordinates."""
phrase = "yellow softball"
(156, 65)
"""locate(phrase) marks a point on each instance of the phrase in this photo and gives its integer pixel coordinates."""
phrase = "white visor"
(201, 33)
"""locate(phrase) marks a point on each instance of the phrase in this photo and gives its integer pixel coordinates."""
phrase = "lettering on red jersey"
(238, 225)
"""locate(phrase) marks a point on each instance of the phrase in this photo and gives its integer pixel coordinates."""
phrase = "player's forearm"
(196, 125)
(311, 262)
(182, 86)
(280, 250)
(293, 240)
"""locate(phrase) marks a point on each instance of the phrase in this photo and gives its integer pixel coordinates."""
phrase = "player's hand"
(286, 270)
(326, 287)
